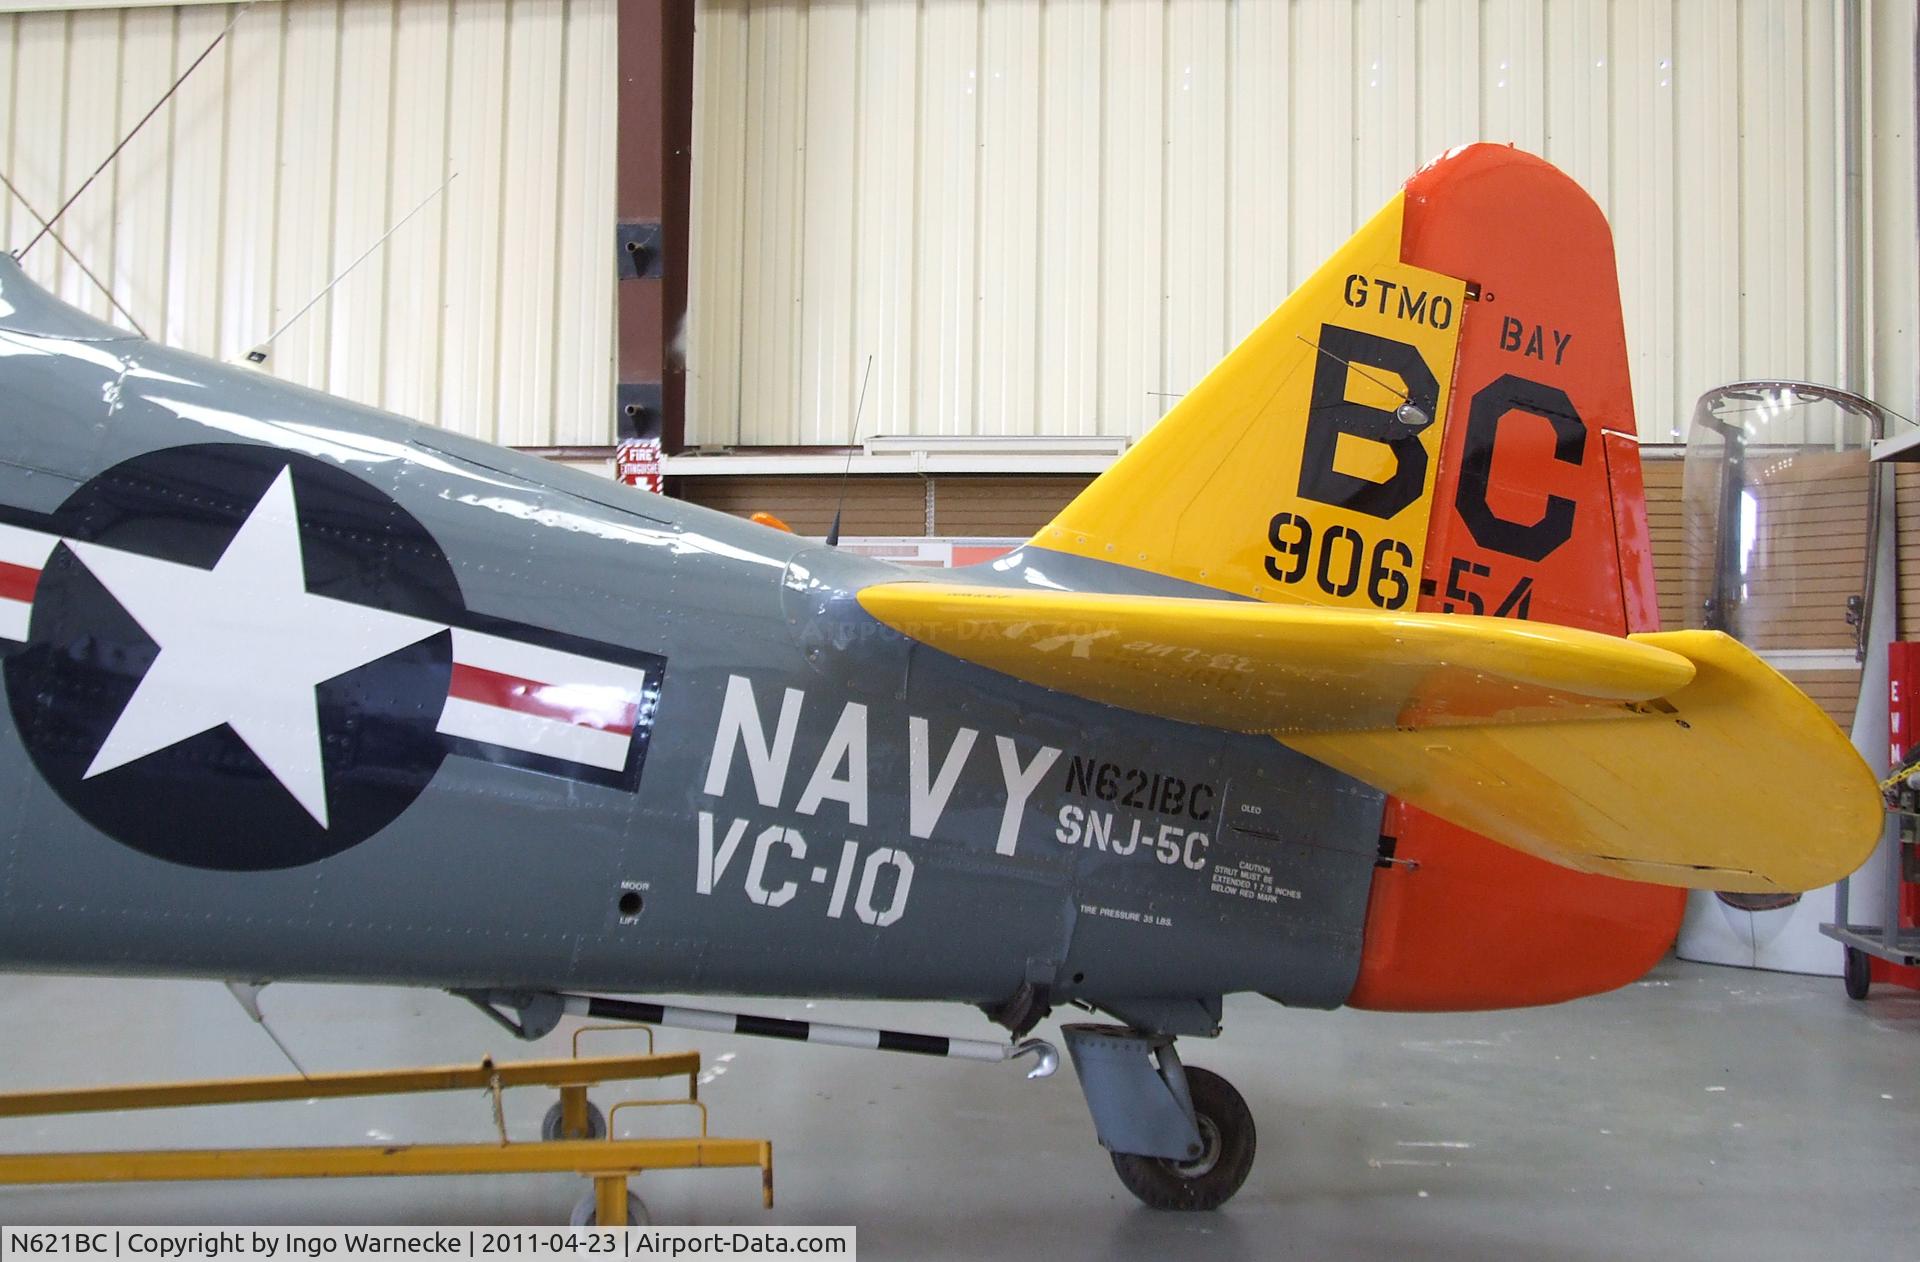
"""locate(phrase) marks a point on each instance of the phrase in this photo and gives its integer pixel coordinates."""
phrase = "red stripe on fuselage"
(548, 701)
(17, 582)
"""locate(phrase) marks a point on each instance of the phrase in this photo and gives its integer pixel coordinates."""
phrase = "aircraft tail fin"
(1439, 419)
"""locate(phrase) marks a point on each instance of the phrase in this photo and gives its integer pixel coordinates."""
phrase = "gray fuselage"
(814, 804)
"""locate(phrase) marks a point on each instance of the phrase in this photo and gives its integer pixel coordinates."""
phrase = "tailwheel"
(1209, 1180)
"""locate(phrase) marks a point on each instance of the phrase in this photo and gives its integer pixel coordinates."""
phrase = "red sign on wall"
(637, 463)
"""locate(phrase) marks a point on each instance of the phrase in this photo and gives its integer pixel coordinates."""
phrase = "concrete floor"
(1702, 1113)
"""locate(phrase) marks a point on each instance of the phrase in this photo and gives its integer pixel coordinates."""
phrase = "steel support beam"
(653, 149)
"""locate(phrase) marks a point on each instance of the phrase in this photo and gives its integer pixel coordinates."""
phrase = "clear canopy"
(1778, 499)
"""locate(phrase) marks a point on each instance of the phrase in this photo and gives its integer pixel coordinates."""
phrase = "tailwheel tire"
(596, 1123)
(586, 1213)
(1859, 973)
(1209, 1180)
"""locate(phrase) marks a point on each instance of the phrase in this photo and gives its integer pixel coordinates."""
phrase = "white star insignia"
(243, 644)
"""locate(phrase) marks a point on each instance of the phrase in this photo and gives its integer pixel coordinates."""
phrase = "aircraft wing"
(1677, 757)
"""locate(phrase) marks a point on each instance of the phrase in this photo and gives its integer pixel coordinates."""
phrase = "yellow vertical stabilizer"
(1301, 469)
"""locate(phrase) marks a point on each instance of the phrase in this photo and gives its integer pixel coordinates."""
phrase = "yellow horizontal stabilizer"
(1255, 667)
(1716, 774)
(1736, 782)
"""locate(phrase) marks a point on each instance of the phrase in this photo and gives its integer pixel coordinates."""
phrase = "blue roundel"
(236, 658)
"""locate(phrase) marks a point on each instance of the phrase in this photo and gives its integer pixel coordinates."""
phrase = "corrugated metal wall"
(1035, 215)
(1049, 215)
(319, 124)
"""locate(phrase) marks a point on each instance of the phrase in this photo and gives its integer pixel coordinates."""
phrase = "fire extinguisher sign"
(636, 462)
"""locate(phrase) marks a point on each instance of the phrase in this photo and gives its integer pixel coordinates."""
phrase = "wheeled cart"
(1888, 952)
(1888, 949)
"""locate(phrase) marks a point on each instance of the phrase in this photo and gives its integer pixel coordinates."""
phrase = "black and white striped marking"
(861, 1037)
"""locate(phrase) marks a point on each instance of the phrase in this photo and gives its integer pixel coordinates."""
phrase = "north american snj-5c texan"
(1343, 686)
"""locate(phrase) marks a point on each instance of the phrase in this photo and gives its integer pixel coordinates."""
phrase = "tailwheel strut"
(1180, 1138)
(1209, 1180)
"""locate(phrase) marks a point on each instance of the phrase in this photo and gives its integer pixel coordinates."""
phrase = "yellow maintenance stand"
(578, 1139)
